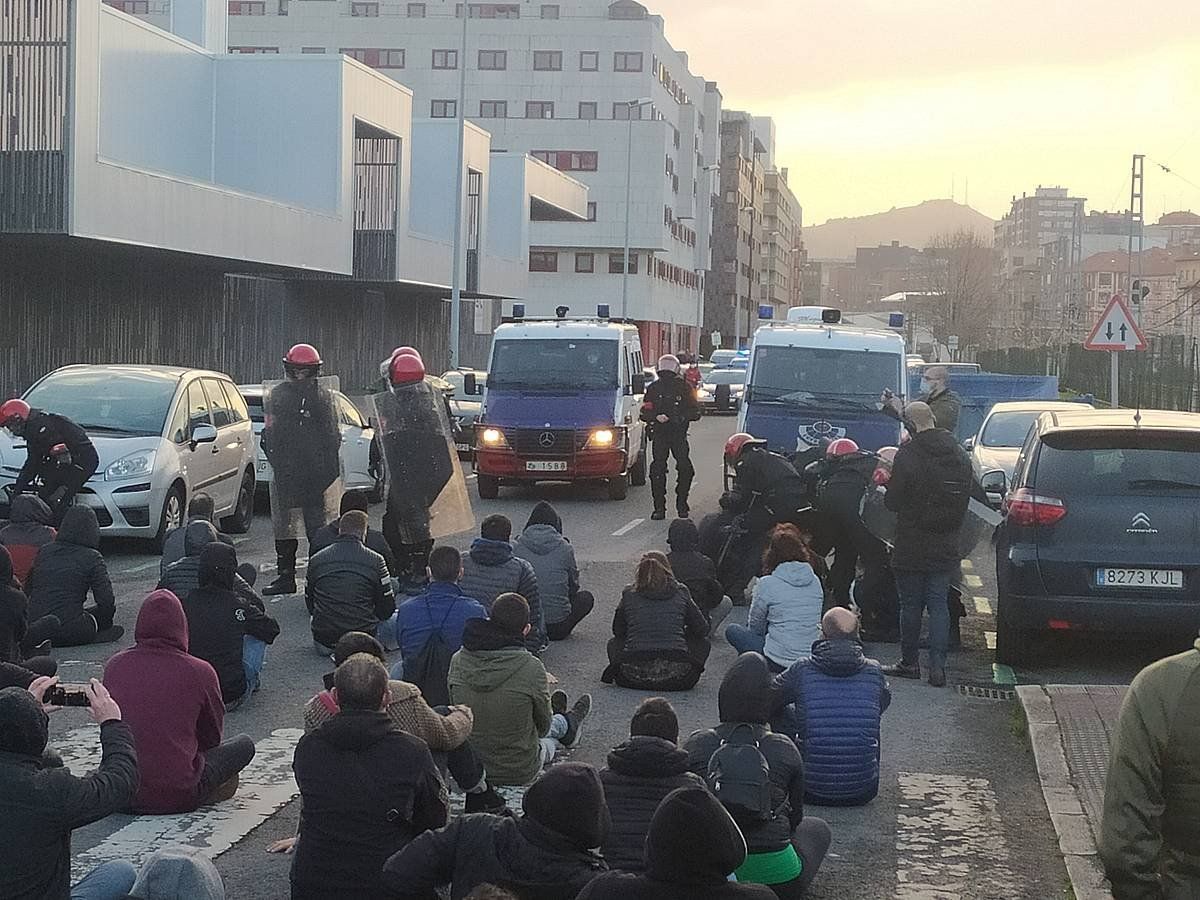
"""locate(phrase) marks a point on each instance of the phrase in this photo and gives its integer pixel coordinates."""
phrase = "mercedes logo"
(546, 439)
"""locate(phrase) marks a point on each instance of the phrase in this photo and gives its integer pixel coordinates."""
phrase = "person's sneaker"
(109, 635)
(903, 670)
(283, 584)
(558, 702)
(937, 677)
(575, 717)
(658, 515)
(486, 802)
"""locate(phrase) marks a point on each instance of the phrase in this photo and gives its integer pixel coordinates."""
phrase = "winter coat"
(929, 491)
(554, 566)
(1149, 835)
(43, 431)
(658, 623)
(491, 569)
(347, 589)
(782, 489)
(13, 675)
(442, 602)
(171, 701)
(175, 543)
(831, 704)
(27, 531)
(409, 712)
(673, 397)
(14, 612)
(67, 568)
(694, 570)
(786, 607)
(505, 687)
(640, 773)
(945, 406)
(217, 621)
(327, 534)
(367, 790)
(182, 576)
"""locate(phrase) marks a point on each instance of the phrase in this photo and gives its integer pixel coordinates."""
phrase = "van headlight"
(604, 438)
(492, 437)
(135, 465)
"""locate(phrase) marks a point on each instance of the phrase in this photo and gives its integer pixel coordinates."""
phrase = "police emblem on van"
(815, 432)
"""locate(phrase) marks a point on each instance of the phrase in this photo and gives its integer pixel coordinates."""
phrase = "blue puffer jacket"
(831, 704)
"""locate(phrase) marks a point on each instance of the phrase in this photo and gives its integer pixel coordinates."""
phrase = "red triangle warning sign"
(1116, 329)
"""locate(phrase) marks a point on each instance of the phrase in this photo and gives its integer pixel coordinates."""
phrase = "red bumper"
(580, 466)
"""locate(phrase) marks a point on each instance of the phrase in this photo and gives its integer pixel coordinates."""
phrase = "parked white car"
(1002, 433)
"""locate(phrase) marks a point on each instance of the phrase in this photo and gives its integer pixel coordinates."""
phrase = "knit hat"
(692, 839)
(683, 535)
(568, 799)
(178, 872)
(24, 725)
(545, 514)
(668, 362)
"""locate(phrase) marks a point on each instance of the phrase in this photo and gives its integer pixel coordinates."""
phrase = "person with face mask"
(935, 393)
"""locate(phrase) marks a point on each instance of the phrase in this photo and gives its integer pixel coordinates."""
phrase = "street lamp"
(632, 105)
(456, 264)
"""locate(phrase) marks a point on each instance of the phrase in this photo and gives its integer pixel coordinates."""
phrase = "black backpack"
(740, 777)
(429, 668)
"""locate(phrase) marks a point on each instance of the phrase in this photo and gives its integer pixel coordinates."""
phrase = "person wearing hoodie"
(63, 573)
(692, 848)
(785, 849)
(660, 636)
(518, 730)
(183, 576)
(172, 703)
(830, 704)
(17, 635)
(640, 773)
(785, 610)
(178, 873)
(929, 491)
(542, 544)
(30, 527)
(491, 569)
(546, 854)
(366, 787)
(697, 572)
(200, 509)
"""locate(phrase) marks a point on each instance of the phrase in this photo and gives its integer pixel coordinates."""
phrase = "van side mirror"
(470, 385)
(639, 383)
(203, 434)
(995, 485)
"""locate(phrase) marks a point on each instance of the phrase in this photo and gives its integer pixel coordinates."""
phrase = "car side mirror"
(639, 383)
(470, 385)
(969, 444)
(203, 434)
(995, 485)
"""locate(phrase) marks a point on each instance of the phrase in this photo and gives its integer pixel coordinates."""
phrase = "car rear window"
(1118, 462)
(255, 405)
(1009, 429)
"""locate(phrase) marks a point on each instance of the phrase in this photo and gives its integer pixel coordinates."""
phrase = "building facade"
(780, 262)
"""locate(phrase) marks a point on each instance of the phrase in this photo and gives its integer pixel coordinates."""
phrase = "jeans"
(549, 745)
(254, 656)
(744, 640)
(920, 591)
(222, 763)
(582, 603)
(108, 881)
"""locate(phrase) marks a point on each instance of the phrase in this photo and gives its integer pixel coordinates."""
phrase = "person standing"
(58, 452)
(943, 402)
(929, 491)
(669, 407)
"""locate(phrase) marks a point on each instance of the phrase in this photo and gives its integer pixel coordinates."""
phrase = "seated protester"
(697, 572)
(785, 848)
(224, 630)
(517, 733)
(547, 854)
(41, 802)
(640, 773)
(785, 610)
(200, 509)
(17, 636)
(172, 703)
(327, 534)
(692, 848)
(367, 789)
(348, 587)
(543, 546)
(183, 576)
(30, 527)
(831, 704)
(63, 573)
(660, 637)
(178, 873)
(491, 569)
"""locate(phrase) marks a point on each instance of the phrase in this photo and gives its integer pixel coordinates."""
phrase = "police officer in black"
(59, 453)
(670, 406)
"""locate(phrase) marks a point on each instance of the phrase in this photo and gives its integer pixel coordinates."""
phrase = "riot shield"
(427, 493)
(302, 441)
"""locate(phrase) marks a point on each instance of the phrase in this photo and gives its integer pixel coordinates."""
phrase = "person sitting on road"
(347, 588)
(547, 854)
(19, 637)
(63, 573)
(785, 612)
(30, 527)
(224, 629)
(327, 534)
(178, 873)
(183, 576)
(660, 636)
(785, 847)
(640, 773)
(200, 509)
(491, 569)
(172, 703)
(830, 704)
(692, 848)
(542, 544)
(519, 727)
(41, 802)
(697, 572)
(366, 787)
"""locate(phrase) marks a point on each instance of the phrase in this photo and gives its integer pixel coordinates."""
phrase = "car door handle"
(215, 450)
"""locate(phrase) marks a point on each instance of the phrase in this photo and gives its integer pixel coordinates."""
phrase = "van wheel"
(1012, 643)
(488, 486)
(618, 488)
(637, 472)
(242, 517)
(171, 517)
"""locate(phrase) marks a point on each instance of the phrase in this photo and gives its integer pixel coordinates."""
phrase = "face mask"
(926, 386)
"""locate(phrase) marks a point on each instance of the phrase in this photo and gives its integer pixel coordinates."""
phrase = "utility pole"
(1136, 230)
(460, 157)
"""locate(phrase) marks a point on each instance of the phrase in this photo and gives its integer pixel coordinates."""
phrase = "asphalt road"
(959, 813)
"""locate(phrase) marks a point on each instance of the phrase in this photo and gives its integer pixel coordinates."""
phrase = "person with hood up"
(63, 572)
(17, 635)
(545, 548)
(546, 854)
(669, 407)
(172, 703)
(697, 572)
(785, 611)
(692, 848)
(660, 636)
(200, 509)
(178, 873)
(640, 773)
(786, 848)
(183, 576)
(30, 527)
(491, 568)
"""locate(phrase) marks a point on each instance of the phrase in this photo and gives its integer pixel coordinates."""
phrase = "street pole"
(1114, 375)
(456, 264)
(628, 201)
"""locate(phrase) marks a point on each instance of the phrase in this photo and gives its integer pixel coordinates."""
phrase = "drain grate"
(976, 692)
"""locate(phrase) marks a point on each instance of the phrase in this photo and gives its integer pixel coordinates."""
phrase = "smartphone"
(67, 695)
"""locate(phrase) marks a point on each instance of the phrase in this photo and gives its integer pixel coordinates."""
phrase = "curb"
(1076, 840)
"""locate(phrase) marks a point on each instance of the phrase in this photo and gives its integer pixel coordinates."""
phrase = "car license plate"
(1167, 579)
(262, 465)
(545, 466)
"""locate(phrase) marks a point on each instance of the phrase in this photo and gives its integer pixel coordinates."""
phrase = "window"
(493, 60)
(589, 61)
(445, 59)
(222, 416)
(348, 414)
(491, 11)
(253, 49)
(625, 111)
(365, 10)
(247, 8)
(587, 110)
(416, 10)
(376, 57)
(1106, 279)
(616, 263)
(493, 109)
(568, 160)
(627, 62)
(549, 10)
(133, 7)
(585, 262)
(312, 49)
(543, 261)
(591, 211)
(547, 60)
(391, 59)
(626, 10)
(238, 412)
(443, 109)
(539, 109)
(197, 406)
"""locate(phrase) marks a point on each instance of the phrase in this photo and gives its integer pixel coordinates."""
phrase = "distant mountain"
(913, 226)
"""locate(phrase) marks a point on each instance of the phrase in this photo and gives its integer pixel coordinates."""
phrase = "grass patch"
(1018, 724)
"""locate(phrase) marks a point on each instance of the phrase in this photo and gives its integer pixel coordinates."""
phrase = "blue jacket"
(417, 617)
(831, 703)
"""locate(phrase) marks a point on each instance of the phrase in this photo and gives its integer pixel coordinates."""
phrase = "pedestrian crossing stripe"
(983, 606)
(989, 638)
(973, 581)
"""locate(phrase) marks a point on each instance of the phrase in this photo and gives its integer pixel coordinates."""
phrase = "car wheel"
(1012, 643)
(618, 488)
(488, 487)
(637, 472)
(242, 517)
(172, 516)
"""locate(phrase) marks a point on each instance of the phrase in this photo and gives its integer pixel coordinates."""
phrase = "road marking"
(983, 606)
(973, 581)
(968, 565)
(133, 570)
(1002, 674)
(627, 527)
(989, 638)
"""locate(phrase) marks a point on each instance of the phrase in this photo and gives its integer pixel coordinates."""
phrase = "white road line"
(983, 606)
(973, 581)
(627, 527)
(967, 564)
(989, 638)
(132, 570)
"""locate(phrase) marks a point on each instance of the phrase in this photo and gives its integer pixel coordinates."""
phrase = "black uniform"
(60, 480)
(673, 397)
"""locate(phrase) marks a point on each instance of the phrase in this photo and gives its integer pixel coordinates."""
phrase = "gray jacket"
(553, 561)
(490, 569)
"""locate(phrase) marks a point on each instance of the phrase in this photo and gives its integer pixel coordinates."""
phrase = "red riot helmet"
(406, 351)
(302, 356)
(739, 442)
(406, 369)
(840, 447)
(13, 412)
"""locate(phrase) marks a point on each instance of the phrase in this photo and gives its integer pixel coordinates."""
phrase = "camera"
(67, 695)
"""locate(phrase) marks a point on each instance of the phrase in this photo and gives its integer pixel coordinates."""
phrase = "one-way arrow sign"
(1116, 329)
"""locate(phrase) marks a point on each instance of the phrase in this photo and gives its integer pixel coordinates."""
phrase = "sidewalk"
(1070, 727)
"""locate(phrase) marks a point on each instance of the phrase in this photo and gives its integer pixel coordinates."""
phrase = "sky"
(881, 103)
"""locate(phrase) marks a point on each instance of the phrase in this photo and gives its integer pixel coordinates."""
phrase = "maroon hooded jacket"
(172, 703)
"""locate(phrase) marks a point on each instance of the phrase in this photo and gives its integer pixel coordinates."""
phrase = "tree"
(960, 294)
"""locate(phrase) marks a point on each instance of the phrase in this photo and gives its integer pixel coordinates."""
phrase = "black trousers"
(221, 763)
(852, 542)
(670, 441)
(582, 603)
(463, 763)
(60, 484)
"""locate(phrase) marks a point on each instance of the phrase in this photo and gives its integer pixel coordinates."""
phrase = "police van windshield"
(818, 375)
(554, 363)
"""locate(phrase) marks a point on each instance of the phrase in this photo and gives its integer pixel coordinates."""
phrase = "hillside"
(910, 225)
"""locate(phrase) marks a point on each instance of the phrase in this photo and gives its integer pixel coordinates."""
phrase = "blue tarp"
(979, 393)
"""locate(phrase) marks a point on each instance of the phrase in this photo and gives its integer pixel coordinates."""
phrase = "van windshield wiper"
(1163, 483)
(808, 399)
(115, 429)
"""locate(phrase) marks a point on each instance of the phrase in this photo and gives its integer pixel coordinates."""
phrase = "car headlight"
(602, 437)
(704, 394)
(135, 465)
(493, 437)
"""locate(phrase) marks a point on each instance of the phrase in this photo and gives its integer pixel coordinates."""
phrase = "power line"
(1171, 171)
(1182, 293)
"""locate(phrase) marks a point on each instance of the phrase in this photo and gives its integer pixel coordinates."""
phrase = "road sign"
(952, 343)
(1116, 329)
(715, 337)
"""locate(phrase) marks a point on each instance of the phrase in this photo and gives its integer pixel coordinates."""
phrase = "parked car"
(465, 408)
(721, 359)
(951, 368)
(1099, 528)
(722, 390)
(162, 433)
(1002, 433)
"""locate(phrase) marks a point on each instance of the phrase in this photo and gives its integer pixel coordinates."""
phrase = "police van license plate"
(541, 465)
(462, 448)
(1167, 579)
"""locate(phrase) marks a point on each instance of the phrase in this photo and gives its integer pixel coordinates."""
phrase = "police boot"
(285, 566)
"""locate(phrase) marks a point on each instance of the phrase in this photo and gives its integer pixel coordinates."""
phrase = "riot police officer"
(669, 407)
(59, 453)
